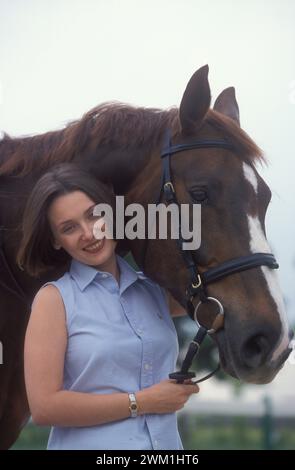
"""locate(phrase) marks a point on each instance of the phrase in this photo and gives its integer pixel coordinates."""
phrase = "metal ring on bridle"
(221, 312)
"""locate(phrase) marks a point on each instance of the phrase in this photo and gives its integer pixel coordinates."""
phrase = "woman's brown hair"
(36, 253)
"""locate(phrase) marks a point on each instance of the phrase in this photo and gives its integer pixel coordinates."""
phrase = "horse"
(191, 154)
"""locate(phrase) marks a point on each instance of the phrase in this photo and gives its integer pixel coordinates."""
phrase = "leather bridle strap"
(237, 265)
(233, 266)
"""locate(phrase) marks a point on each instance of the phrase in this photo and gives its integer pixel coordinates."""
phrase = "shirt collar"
(85, 274)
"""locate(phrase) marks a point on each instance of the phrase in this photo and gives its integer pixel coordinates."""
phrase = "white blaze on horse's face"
(259, 244)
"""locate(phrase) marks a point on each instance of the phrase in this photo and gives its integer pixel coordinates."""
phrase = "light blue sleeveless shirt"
(121, 338)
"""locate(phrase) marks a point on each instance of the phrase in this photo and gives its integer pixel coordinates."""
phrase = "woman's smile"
(94, 247)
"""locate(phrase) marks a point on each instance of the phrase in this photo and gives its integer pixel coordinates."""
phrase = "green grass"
(236, 433)
(32, 438)
(200, 433)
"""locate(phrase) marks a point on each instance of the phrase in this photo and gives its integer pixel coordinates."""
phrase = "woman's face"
(71, 221)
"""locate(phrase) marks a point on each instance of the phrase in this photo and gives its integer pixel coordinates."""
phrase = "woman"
(100, 342)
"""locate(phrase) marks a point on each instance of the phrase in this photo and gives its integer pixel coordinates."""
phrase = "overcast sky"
(59, 58)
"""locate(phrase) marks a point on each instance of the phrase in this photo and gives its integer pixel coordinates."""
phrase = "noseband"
(199, 281)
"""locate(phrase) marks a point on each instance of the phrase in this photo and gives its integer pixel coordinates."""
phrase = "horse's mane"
(109, 123)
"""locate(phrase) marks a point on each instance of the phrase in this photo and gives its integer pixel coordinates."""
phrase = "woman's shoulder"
(143, 277)
(157, 289)
(52, 291)
(48, 296)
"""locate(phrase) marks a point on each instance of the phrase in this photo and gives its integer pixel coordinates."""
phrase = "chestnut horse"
(121, 145)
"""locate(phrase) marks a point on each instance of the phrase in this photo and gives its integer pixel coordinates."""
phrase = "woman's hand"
(165, 397)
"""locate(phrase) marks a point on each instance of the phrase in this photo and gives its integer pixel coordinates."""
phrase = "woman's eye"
(68, 229)
(199, 195)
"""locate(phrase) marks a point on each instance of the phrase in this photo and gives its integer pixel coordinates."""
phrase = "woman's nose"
(87, 232)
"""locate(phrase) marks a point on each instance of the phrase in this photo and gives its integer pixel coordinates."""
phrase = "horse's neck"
(118, 166)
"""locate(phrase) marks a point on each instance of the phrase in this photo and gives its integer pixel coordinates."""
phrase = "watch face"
(133, 407)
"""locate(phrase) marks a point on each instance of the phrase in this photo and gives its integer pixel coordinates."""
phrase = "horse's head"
(254, 340)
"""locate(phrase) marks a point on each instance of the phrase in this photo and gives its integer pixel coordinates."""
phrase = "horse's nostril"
(254, 351)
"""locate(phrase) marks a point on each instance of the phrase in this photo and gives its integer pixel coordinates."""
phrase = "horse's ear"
(195, 101)
(226, 103)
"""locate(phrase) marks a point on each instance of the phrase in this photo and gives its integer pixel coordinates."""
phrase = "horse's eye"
(199, 195)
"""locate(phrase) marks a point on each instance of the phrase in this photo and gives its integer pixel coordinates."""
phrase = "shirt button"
(139, 332)
(147, 367)
(104, 276)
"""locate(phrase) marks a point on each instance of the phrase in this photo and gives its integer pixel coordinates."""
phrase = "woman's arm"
(45, 346)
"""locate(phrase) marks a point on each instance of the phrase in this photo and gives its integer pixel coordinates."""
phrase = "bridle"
(198, 280)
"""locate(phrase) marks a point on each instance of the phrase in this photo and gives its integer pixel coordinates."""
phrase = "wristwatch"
(133, 407)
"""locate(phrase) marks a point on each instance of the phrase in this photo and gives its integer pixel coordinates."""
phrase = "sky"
(59, 58)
